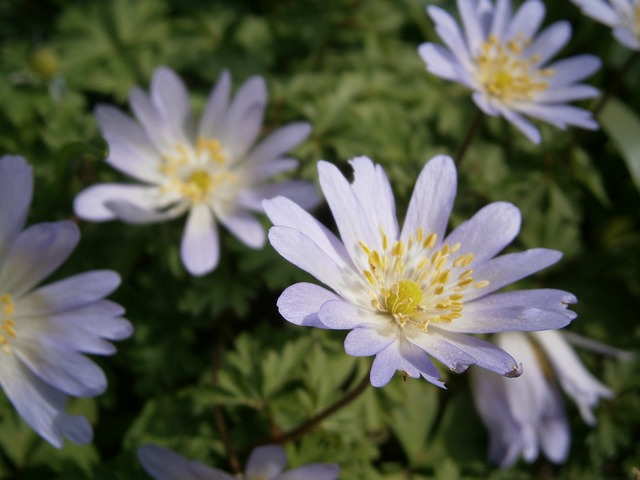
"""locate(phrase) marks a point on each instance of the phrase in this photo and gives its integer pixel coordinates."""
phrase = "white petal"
(300, 303)
(200, 249)
(439, 60)
(89, 204)
(449, 32)
(279, 142)
(598, 10)
(572, 69)
(266, 461)
(549, 42)
(245, 227)
(526, 20)
(489, 231)
(562, 115)
(16, 189)
(158, 130)
(526, 127)
(442, 350)
(215, 111)
(170, 96)
(339, 314)
(471, 24)
(432, 199)
(501, 18)
(164, 464)
(366, 341)
(136, 214)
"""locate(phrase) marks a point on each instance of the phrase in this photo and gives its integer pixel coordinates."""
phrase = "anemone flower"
(623, 16)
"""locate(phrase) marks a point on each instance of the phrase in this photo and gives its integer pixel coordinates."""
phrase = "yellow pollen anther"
(505, 75)
(7, 326)
(404, 297)
(211, 147)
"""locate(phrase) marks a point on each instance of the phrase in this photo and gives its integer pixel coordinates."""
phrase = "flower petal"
(89, 204)
(527, 20)
(339, 314)
(266, 462)
(440, 62)
(36, 253)
(216, 108)
(366, 341)
(200, 249)
(432, 199)
(549, 42)
(300, 192)
(245, 227)
(300, 303)
(489, 231)
(170, 96)
(140, 215)
(164, 464)
(279, 142)
(16, 189)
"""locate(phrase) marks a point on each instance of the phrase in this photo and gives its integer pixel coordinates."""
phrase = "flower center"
(417, 284)
(7, 325)
(196, 173)
(505, 75)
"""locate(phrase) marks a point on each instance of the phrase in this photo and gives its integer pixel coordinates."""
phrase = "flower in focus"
(621, 15)
(499, 56)
(527, 414)
(44, 331)
(265, 463)
(415, 291)
(212, 171)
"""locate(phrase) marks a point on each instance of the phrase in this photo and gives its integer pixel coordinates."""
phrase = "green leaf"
(623, 127)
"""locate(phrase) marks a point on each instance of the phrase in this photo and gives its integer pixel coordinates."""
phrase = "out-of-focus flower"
(265, 463)
(623, 16)
(211, 171)
(527, 414)
(499, 56)
(412, 292)
(44, 331)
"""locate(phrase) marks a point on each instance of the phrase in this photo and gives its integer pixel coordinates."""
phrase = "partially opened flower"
(623, 16)
(525, 415)
(44, 331)
(409, 293)
(265, 463)
(501, 57)
(213, 171)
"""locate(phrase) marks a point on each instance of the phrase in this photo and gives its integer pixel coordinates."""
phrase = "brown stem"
(473, 128)
(313, 421)
(218, 417)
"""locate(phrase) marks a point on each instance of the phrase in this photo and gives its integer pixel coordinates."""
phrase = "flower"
(265, 463)
(211, 171)
(412, 292)
(622, 15)
(44, 331)
(526, 414)
(502, 60)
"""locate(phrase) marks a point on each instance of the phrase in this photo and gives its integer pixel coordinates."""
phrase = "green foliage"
(218, 343)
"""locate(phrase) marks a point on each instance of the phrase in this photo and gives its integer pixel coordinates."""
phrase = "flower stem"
(473, 128)
(327, 412)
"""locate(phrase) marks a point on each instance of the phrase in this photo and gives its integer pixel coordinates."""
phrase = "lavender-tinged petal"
(373, 191)
(216, 108)
(549, 42)
(543, 298)
(626, 38)
(572, 69)
(65, 370)
(135, 214)
(279, 142)
(439, 61)
(526, 127)
(486, 354)
(387, 362)
(471, 25)
(366, 341)
(432, 199)
(164, 464)
(170, 96)
(561, 115)
(489, 231)
(200, 249)
(300, 303)
(553, 430)
(16, 189)
(501, 18)
(41, 406)
(417, 357)
(245, 227)
(298, 191)
(72, 292)
(506, 269)
(341, 315)
(158, 131)
(568, 93)
(266, 462)
(597, 347)
(283, 212)
(348, 213)
(269, 168)
(244, 117)
(485, 104)
(598, 10)
(306, 254)
(440, 348)
(574, 378)
(527, 20)
(449, 32)
(313, 471)
(89, 204)
(36, 253)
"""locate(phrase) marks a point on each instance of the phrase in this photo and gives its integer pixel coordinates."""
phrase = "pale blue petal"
(549, 42)
(170, 96)
(572, 69)
(341, 315)
(164, 464)
(599, 10)
(16, 188)
(420, 360)
(366, 341)
(214, 112)
(626, 38)
(36, 253)
(199, 248)
(299, 304)
(279, 142)
(157, 129)
(501, 18)
(443, 350)
(245, 227)
(526, 20)
(266, 462)
(489, 231)
(567, 93)
(90, 203)
(432, 199)
(298, 191)
(473, 30)
(439, 61)
(487, 319)
(449, 32)
(526, 127)
(135, 214)
(385, 365)
(561, 115)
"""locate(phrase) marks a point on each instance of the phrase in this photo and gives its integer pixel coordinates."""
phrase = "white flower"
(500, 56)
(265, 463)
(407, 294)
(213, 172)
(525, 415)
(621, 15)
(44, 331)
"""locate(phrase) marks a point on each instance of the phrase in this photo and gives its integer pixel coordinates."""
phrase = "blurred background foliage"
(349, 67)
